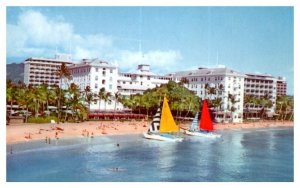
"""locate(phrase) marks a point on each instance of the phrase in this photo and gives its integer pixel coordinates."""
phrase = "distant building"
(260, 85)
(281, 86)
(99, 74)
(43, 70)
(139, 81)
(226, 82)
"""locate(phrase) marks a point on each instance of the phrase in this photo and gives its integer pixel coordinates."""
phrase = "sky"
(169, 39)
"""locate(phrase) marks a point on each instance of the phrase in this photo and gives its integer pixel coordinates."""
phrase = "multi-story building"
(139, 81)
(260, 85)
(44, 70)
(281, 86)
(228, 85)
(96, 74)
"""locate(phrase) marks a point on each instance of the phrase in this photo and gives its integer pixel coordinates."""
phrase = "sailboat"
(205, 127)
(162, 125)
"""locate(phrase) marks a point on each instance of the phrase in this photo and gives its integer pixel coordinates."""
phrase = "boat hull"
(163, 137)
(202, 134)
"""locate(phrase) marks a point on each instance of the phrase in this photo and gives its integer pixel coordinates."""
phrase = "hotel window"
(110, 70)
(148, 77)
(96, 86)
(141, 83)
(103, 81)
(110, 86)
(96, 69)
(123, 82)
(96, 77)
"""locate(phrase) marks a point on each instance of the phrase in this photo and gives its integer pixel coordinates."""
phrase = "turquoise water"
(240, 155)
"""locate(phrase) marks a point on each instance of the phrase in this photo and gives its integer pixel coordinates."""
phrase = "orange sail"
(167, 123)
(206, 122)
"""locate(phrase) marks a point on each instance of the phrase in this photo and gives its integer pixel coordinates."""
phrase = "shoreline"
(26, 132)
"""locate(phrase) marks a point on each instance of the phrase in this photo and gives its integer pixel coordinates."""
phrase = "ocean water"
(260, 155)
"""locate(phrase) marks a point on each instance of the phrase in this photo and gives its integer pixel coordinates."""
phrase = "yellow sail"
(167, 123)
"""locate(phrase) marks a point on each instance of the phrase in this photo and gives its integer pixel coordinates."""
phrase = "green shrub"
(42, 119)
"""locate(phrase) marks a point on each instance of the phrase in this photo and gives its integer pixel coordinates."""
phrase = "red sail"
(205, 123)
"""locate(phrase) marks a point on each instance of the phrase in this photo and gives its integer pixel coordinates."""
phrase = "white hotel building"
(100, 74)
(139, 81)
(96, 74)
(232, 82)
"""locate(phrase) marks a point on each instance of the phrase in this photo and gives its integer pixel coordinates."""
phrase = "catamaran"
(162, 125)
(205, 127)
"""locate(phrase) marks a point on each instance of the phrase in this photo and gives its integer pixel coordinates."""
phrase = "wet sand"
(27, 132)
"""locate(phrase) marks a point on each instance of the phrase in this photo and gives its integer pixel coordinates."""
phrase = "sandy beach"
(25, 132)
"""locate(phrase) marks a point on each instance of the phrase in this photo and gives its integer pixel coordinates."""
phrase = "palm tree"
(232, 100)
(183, 81)
(24, 98)
(212, 91)
(89, 97)
(117, 97)
(63, 72)
(101, 95)
(107, 98)
(206, 89)
(75, 101)
(281, 104)
(10, 94)
(217, 103)
(42, 92)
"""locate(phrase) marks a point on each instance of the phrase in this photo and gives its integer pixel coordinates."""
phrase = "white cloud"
(35, 34)
(159, 60)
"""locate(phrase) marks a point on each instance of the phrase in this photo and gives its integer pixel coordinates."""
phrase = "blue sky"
(246, 39)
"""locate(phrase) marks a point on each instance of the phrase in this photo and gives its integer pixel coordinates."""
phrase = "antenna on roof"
(140, 41)
(217, 58)
(70, 49)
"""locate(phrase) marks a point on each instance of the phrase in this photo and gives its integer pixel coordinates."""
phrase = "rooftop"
(208, 71)
(93, 63)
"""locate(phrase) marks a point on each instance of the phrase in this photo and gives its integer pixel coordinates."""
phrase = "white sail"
(195, 124)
